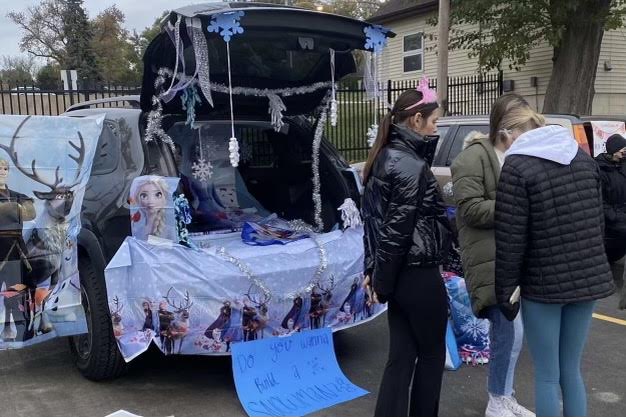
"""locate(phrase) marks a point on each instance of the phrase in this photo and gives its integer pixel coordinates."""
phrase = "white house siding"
(610, 98)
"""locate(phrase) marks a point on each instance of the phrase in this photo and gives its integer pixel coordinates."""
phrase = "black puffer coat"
(404, 214)
(549, 221)
(613, 175)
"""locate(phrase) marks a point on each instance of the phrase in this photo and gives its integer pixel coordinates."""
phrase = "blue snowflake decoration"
(375, 38)
(226, 24)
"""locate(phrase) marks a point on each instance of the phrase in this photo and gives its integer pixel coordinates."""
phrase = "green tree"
(42, 28)
(49, 77)
(509, 30)
(17, 70)
(115, 55)
(79, 53)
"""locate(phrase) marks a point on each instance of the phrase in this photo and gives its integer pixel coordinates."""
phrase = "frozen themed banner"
(200, 302)
(45, 163)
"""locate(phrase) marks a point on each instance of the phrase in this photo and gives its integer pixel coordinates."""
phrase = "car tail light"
(581, 138)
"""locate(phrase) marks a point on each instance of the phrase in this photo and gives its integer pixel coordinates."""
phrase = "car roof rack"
(132, 100)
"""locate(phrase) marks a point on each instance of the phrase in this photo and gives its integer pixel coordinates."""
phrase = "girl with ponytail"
(406, 234)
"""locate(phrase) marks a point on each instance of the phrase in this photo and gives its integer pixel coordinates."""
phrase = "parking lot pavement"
(41, 381)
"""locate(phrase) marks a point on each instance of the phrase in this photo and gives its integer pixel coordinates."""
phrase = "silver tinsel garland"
(258, 92)
(154, 127)
(201, 51)
(315, 166)
(299, 226)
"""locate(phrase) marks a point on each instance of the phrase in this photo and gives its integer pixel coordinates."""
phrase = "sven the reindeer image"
(321, 297)
(255, 316)
(43, 252)
(177, 328)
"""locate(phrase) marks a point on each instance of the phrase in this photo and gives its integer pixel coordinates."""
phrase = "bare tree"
(42, 28)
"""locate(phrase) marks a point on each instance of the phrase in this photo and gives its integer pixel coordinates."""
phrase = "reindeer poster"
(45, 163)
(197, 302)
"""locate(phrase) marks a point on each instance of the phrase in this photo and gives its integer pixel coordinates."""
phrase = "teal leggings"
(556, 335)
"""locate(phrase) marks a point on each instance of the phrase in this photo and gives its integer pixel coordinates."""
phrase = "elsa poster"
(45, 163)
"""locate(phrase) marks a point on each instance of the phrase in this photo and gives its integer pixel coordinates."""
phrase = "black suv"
(275, 170)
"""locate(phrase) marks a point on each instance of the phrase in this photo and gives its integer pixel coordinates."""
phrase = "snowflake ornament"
(202, 170)
(372, 133)
(226, 24)
(375, 38)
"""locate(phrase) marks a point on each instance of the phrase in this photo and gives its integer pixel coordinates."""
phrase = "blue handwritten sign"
(290, 376)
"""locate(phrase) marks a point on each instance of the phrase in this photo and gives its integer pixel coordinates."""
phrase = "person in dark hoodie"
(475, 174)
(613, 174)
(406, 230)
(549, 248)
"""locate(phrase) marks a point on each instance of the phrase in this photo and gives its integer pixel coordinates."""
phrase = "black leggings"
(417, 314)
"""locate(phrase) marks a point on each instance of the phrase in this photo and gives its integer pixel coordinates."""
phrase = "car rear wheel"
(96, 353)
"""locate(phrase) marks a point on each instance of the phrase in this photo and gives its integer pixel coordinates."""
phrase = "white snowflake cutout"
(226, 24)
(202, 170)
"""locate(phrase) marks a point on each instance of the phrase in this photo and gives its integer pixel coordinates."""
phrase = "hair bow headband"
(428, 95)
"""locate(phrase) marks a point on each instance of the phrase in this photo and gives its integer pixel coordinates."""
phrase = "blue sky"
(139, 14)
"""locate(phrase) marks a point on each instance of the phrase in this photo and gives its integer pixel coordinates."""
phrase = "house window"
(413, 55)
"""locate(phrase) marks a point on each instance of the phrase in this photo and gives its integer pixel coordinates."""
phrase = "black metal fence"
(472, 95)
(356, 114)
(31, 100)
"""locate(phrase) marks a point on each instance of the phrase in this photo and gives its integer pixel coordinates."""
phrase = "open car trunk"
(280, 47)
(274, 174)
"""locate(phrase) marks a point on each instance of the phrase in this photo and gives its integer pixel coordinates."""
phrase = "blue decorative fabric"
(269, 233)
(190, 98)
(196, 302)
(182, 212)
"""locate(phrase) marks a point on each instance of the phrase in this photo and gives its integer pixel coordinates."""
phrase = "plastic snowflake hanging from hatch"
(226, 24)
(202, 170)
(375, 38)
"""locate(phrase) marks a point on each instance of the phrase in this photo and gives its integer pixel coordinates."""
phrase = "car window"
(108, 153)
(442, 131)
(459, 139)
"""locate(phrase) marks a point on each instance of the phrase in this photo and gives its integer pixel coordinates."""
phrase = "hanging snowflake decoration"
(375, 38)
(372, 133)
(226, 24)
(202, 170)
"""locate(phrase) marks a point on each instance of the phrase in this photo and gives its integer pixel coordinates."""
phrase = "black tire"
(96, 354)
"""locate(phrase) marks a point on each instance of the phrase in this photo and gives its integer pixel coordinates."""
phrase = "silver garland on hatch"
(298, 226)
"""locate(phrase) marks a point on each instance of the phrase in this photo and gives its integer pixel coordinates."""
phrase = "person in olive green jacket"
(475, 174)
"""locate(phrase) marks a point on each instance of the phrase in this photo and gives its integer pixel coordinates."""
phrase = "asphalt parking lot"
(41, 381)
